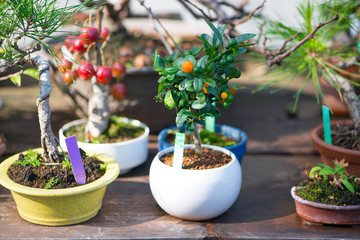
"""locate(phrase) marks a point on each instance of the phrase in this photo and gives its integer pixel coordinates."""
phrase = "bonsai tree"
(307, 50)
(24, 27)
(192, 82)
(83, 57)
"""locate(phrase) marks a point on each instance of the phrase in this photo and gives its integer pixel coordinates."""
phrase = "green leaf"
(174, 55)
(185, 83)
(32, 72)
(235, 86)
(313, 171)
(156, 61)
(169, 101)
(234, 72)
(216, 32)
(201, 62)
(198, 105)
(244, 37)
(241, 51)
(189, 127)
(349, 186)
(169, 71)
(209, 81)
(205, 39)
(326, 171)
(16, 80)
(161, 86)
(198, 84)
(181, 118)
(195, 51)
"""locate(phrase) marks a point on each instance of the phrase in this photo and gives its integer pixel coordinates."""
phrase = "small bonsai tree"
(24, 26)
(193, 81)
(83, 57)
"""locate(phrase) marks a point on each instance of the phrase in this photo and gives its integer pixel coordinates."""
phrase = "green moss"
(323, 192)
(117, 131)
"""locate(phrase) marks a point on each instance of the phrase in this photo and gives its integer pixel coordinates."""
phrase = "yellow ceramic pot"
(56, 207)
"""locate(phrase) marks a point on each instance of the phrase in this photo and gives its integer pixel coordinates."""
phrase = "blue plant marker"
(75, 160)
(326, 122)
(178, 150)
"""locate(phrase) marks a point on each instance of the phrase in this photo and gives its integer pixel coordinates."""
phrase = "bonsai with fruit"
(195, 184)
(84, 60)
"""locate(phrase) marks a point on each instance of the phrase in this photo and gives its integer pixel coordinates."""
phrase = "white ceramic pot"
(195, 194)
(128, 154)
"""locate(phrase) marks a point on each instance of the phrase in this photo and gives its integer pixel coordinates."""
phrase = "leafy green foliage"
(337, 175)
(51, 183)
(31, 158)
(192, 93)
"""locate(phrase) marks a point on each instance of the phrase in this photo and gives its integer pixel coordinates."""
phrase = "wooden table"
(279, 153)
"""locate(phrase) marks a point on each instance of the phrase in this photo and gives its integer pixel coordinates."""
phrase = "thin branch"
(249, 15)
(154, 18)
(278, 59)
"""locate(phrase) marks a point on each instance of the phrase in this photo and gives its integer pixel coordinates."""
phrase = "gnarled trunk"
(48, 140)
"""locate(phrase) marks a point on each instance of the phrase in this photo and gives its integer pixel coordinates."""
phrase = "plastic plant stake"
(210, 123)
(178, 150)
(326, 122)
(75, 160)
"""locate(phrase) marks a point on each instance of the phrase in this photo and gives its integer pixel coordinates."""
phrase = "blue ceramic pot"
(238, 149)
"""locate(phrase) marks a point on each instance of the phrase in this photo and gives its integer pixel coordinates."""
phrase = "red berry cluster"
(104, 74)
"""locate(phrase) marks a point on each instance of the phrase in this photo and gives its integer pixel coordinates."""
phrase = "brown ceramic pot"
(329, 153)
(319, 213)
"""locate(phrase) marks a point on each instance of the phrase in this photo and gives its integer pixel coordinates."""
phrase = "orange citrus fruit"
(224, 95)
(205, 90)
(187, 66)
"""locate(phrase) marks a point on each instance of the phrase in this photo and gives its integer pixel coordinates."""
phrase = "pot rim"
(243, 135)
(110, 175)
(186, 146)
(321, 205)
(134, 121)
(318, 130)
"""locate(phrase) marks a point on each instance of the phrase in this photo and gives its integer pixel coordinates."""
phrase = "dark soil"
(54, 176)
(324, 192)
(345, 137)
(116, 132)
(209, 159)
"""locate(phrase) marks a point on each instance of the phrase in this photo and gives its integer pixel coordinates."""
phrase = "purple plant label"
(75, 160)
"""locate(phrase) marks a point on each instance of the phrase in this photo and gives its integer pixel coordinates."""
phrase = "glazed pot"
(128, 154)
(329, 153)
(195, 194)
(56, 207)
(239, 149)
(319, 213)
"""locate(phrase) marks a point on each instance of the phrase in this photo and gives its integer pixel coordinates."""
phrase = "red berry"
(70, 76)
(103, 75)
(104, 33)
(118, 91)
(79, 46)
(69, 42)
(118, 69)
(89, 35)
(86, 71)
(64, 65)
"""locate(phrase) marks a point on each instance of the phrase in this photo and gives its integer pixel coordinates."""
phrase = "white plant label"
(178, 150)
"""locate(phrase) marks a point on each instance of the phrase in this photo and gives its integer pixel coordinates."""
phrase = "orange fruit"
(224, 95)
(206, 84)
(205, 90)
(187, 66)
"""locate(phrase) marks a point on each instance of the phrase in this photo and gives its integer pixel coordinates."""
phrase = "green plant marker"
(210, 123)
(326, 122)
(178, 150)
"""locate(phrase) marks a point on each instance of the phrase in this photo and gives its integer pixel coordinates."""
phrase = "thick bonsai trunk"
(351, 99)
(99, 112)
(197, 140)
(48, 140)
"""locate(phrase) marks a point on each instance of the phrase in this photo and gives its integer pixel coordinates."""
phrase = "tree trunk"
(197, 140)
(99, 112)
(351, 99)
(48, 140)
